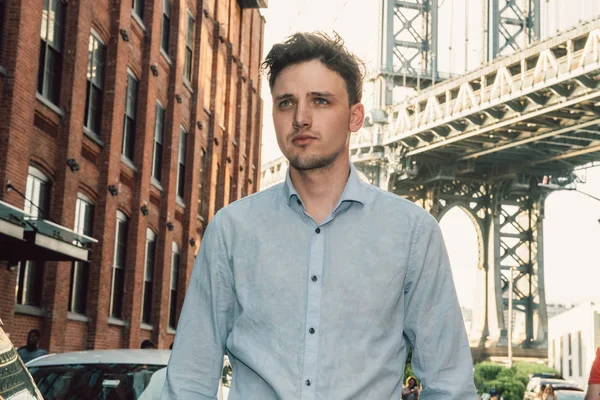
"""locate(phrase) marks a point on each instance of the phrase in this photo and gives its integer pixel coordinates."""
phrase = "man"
(317, 286)
(32, 350)
(593, 390)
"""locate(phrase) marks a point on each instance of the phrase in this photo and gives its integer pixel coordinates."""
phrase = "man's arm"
(196, 362)
(433, 324)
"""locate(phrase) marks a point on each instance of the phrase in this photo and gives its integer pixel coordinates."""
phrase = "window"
(37, 193)
(181, 162)
(148, 275)
(118, 270)
(580, 353)
(231, 190)
(166, 26)
(138, 8)
(561, 358)
(78, 289)
(159, 123)
(189, 48)
(202, 169)
(95, 84)
(31, 273)
(130, 111)
(51, 35)
(174, 280)
(570, 340)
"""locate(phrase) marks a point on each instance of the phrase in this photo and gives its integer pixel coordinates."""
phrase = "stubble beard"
(314, 162)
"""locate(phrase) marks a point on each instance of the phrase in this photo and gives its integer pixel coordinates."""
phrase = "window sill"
(137, 19)
(49, 104)
(146, 327)
(166, 56)
(93, 137)
(179, 202)
(116, 321)
(207, 111)
(171, 331)
(157, 184)
(188, 85)
(200, 217)
(77, 317)
(125, 160)
(30, 310)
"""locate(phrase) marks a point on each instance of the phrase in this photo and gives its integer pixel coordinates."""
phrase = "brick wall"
(219, 108)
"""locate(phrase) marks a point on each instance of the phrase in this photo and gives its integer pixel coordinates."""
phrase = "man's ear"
(357, 116)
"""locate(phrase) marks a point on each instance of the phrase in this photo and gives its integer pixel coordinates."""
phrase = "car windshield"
(93, 381)
(570, 395)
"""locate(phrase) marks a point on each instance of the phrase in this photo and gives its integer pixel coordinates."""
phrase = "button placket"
(313, 313)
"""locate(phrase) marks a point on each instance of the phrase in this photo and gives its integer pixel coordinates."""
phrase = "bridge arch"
(467, 231)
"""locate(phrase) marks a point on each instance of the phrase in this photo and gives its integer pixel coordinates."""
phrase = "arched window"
(118, 270)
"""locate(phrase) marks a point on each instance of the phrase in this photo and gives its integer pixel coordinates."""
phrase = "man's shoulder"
(254, 202)
(388, 201)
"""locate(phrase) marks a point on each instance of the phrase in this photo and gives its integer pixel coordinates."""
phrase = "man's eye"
(321, 101)
(285, 103)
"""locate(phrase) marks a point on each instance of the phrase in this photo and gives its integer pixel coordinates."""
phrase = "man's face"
(33, 339)
(312, 116)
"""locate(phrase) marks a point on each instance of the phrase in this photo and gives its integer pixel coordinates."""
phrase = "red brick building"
(130, 122)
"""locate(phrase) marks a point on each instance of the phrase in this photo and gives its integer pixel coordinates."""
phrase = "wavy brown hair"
(330, 51)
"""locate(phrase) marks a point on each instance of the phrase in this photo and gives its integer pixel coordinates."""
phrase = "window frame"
(157, 150)
(130, 116)
(181, 162)
(49, 76)
(122, 220)
(174, 281)
(188, 63)
(165, 35)
(147, 288)
(80, 270)
(138, 4)
(88, 115)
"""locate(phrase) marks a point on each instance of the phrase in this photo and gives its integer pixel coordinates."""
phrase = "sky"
(571, 226)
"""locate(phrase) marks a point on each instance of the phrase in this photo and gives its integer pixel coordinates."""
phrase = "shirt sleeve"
(206, 319)
(595, 371)
(433, 325)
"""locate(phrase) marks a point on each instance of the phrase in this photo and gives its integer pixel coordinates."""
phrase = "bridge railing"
(273, 172)
(551, 62)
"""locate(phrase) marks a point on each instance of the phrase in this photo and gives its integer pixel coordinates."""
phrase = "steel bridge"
(484, 142)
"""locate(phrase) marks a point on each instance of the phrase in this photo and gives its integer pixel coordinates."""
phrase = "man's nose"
(302, 117)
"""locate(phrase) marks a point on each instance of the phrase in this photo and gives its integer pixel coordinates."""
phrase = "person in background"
(549, 393)
(147, 344)
(32, 349)
(411, 390)
(540, 393)
(593, 390)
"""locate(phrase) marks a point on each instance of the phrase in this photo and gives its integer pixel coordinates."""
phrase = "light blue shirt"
(324, 311)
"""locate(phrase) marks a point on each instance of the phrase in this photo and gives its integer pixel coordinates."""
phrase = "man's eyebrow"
(322, 94)
(284, 96)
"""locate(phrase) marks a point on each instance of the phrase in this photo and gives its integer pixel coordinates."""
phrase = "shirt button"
(311, 330)
(307, 382)
(318, 230)
(314, 278)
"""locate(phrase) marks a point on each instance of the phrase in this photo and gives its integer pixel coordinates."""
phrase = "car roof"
(553, 381)
(117, 356)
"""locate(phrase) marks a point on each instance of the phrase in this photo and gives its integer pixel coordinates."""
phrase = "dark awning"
(23, 238)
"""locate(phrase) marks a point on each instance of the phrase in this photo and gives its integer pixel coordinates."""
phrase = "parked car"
(120, 374)
(560, 386)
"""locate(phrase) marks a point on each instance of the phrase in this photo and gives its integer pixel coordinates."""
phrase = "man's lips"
(303, 139)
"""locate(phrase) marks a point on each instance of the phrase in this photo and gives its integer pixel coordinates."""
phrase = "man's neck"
(321, 189)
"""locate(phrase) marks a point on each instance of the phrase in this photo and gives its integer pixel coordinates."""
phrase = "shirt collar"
(354, 190)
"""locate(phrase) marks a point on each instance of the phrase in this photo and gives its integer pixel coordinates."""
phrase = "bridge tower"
(507, 212)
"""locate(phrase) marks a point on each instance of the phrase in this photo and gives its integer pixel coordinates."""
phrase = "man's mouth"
(303, 139)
